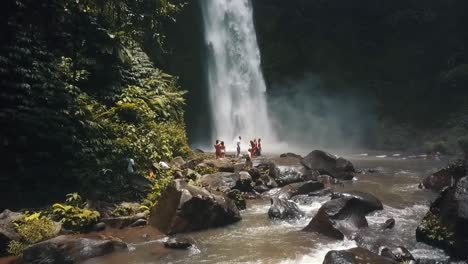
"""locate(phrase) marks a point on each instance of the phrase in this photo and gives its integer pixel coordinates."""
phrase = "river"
(257, 239)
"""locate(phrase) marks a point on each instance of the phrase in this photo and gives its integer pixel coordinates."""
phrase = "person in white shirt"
(238, 146)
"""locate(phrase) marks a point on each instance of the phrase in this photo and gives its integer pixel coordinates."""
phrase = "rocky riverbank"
(204, 193)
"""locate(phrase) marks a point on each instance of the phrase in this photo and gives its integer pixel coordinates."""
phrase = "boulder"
(325, 163)
(290, 155)
(139, 182)
(191, 164)
(287, 175)
(222, 165)
(261, 188)
(444, 177)
(69, 250)
(342, 217)
(139, 222)
(245, 182)
(444, 226)
(282, 209)
(355, 256)
(7, 229)
(122, 221)
(225, 181)
(220, 181)
(367, 202)
(299, 188)
(177, 162)
(178, 243)
(99, 227)
(183, 208)
(389, 224)
(268, 181)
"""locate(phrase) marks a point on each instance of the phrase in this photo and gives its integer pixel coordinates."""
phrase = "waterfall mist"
(235, 81)
(306, 117)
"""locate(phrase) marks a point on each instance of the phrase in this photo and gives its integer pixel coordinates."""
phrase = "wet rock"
(367, 202)
(268, 181)
(183, 208)
(198, 151)
(179, 243)
(255, 173)
(7, 229)
(290, 155)
(303, 199)
(355, 256)
(123, 221)
(444, 226)
(326, 163)
(238, 198)
(299, 188)
(225, 181)
(287, 175)
(328, 180)
(445, 177)
(139, 222)
(261, 188)
(69, 249)
(389, 224)
(342, 217)
(221, 181)
(99, 227)
(282, 209)
(387, 253)
(245, 182)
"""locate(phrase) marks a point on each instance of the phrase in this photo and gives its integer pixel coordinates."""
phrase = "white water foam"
(317, 254)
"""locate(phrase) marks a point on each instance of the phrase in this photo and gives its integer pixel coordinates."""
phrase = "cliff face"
(408, 54)
(404, 61)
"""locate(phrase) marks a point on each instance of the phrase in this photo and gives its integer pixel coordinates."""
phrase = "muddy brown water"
(257, 239)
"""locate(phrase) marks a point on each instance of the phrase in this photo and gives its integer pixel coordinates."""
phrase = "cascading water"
(236, 85)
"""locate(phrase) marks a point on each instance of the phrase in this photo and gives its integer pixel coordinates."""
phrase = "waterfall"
(236, 85)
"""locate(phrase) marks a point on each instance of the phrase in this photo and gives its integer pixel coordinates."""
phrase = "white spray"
(236, 85)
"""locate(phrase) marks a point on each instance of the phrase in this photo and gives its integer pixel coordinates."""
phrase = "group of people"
(220, 149)
(255, 147)
(254, 150)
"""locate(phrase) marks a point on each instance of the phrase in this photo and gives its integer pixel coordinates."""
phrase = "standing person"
(259, 147)
(222, 150)
(217, 149)
(238, 146)
(253, 148)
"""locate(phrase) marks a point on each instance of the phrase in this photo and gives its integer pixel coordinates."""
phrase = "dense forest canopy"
(79, 94)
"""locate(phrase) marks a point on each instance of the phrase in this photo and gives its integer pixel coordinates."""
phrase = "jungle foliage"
(79, 94)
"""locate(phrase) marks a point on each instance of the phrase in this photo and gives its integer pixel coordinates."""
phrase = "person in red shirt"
(217, 147)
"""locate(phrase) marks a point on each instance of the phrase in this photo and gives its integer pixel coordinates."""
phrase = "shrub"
(32, 229)
(73, 215)
(164, 179)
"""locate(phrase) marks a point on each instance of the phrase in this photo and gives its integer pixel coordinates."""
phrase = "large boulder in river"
(183, 208)
(226, 181)
(69, 250)
(299, 188)
(444, 177)
(341, 217)
(445, 225)
(325, 163)
(282, 209)
(355, 256)
(367, 202)
(7, 229)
